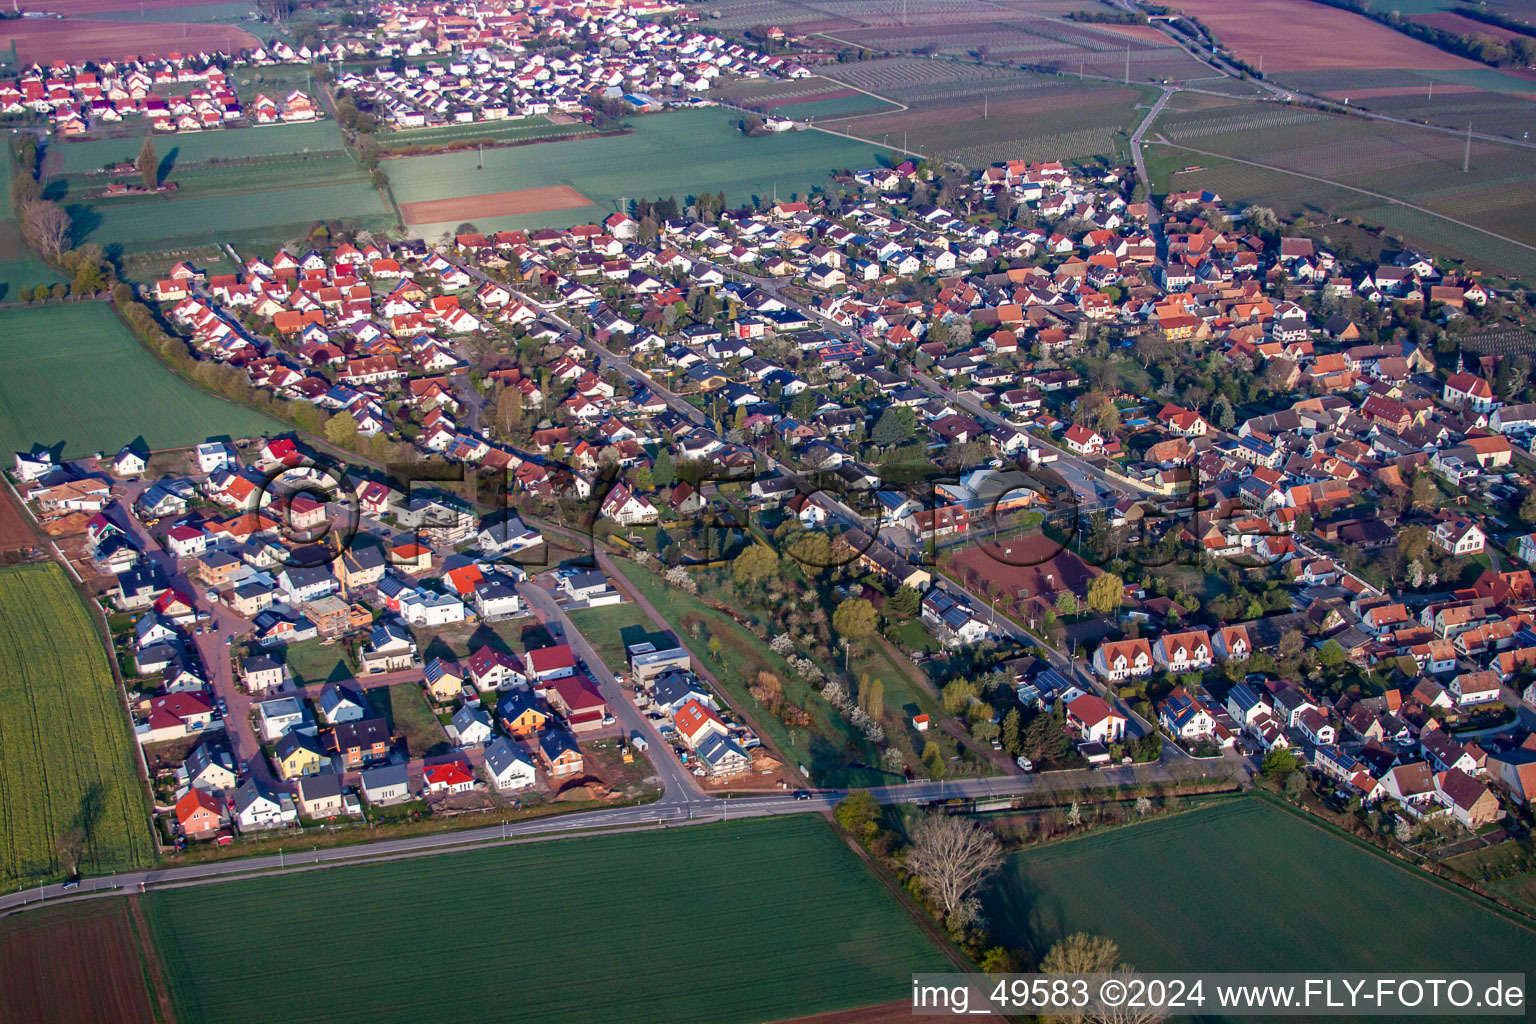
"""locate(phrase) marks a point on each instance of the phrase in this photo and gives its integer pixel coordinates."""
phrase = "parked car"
(1025, 764)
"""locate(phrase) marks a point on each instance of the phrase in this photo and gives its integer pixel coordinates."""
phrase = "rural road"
(697, 812)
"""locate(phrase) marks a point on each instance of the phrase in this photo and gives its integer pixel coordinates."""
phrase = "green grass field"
(679, 154)
(19, 266)
(519, 129)
(260, 187)
(1245, 886)
(312, 662)
(263, 219)
(214, 13)
(758, 920)
(405, 707)
(196, 147)
(73, 374)
(611, 630)
(68, 772)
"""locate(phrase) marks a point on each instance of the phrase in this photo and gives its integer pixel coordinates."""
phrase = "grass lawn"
(74, 375)
(679, 153)
(829, 748)
(612, 629)
(68, 770)
(311, 662)
(459, 640)
(1246, 886)
(1509, 867)
(789, 923)
(405, 707)
(905, 696)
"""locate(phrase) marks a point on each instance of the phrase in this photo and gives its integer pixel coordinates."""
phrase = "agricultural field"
(680, 153)
(70, 794)
(1298, 35)
(184, 148)
(78, 39)
(568, 918)
(981, 115)
(1414, 165)
(46, 954)
(260, 186)
(521, 129)
(1325, 904)
(75, 377)
(212, 13)
(802, 98)
(1491, 101)
(264, 219)
(19, 266)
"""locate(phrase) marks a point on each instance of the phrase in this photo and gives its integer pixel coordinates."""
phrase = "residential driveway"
(681, 788)
(212, 646)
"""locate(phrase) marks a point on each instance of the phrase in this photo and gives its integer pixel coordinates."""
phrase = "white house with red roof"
(1082, 440)
(453, 777)
(1468, 391)
(695, 722)
(627, 508)
(1094, 720)
(554, 662)
(175, 715)
(1123, 659)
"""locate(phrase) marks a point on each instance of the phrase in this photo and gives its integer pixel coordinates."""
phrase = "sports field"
(70, 795)
(679, 154)
(751, 921)
(1245, 886)
(73, 374)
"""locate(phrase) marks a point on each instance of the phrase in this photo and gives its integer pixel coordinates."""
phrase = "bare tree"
(47, 226)
(1082, 953)
(1124, 1014)
(952, 856)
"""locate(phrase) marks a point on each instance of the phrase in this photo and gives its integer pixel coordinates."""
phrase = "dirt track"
(494, 204)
